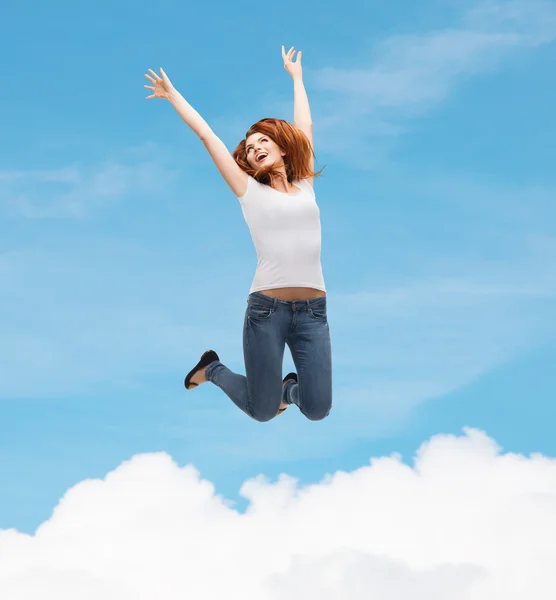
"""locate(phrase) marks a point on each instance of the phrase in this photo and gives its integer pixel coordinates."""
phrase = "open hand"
(162, 87)
(293, 68)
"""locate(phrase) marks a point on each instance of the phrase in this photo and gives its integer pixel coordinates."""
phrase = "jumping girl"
(271, 173)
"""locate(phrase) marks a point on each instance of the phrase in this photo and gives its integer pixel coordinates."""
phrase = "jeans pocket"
(259, 312)
(318, 313)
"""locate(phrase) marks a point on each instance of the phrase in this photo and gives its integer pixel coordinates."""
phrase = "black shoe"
(208, 357)
(293, 377)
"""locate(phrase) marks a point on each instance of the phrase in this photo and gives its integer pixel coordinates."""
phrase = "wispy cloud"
(403, 78)
(465, 286)
(110, 315)
(437, 320)
(76, 191)
(396, 345)
(409, 75)
(395, 348)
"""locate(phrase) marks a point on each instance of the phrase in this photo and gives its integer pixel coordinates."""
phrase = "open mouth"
(261, 157)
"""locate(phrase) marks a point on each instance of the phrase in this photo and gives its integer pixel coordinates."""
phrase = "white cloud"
(464, 522)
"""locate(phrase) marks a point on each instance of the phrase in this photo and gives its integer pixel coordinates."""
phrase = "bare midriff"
(294, 293)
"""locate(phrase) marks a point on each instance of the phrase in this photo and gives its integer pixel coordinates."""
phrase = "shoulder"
(306, 185)
(252, 186)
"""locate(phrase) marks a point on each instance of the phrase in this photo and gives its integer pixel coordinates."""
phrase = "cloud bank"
(464, 521)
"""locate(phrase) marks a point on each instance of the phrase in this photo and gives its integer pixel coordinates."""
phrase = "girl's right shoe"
(293, 377)
(208, 357)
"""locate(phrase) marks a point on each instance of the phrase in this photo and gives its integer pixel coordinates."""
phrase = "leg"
(309, 342)
(259, 393)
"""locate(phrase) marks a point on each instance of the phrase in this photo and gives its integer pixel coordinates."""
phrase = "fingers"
(288, 57)
(155, 78)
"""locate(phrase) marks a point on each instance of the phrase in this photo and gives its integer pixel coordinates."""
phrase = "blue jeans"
(269, 325)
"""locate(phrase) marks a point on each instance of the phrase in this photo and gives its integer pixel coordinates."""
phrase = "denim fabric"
(269, 325)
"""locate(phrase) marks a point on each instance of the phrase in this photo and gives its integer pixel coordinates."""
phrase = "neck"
(280, 182)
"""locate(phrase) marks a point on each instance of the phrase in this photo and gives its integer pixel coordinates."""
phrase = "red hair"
(290, 140)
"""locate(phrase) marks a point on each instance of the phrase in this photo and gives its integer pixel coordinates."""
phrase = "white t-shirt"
(285, 229)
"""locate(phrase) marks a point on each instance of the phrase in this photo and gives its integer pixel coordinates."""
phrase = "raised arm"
(224, 161)
(301, 110)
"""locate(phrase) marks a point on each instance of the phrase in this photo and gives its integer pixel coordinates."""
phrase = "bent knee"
(263, 414)
(263, 417)
(318, 413)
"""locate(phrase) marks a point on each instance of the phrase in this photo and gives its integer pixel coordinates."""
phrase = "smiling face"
(262, 151)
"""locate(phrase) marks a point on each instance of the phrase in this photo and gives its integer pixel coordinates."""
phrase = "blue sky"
(123, 255)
